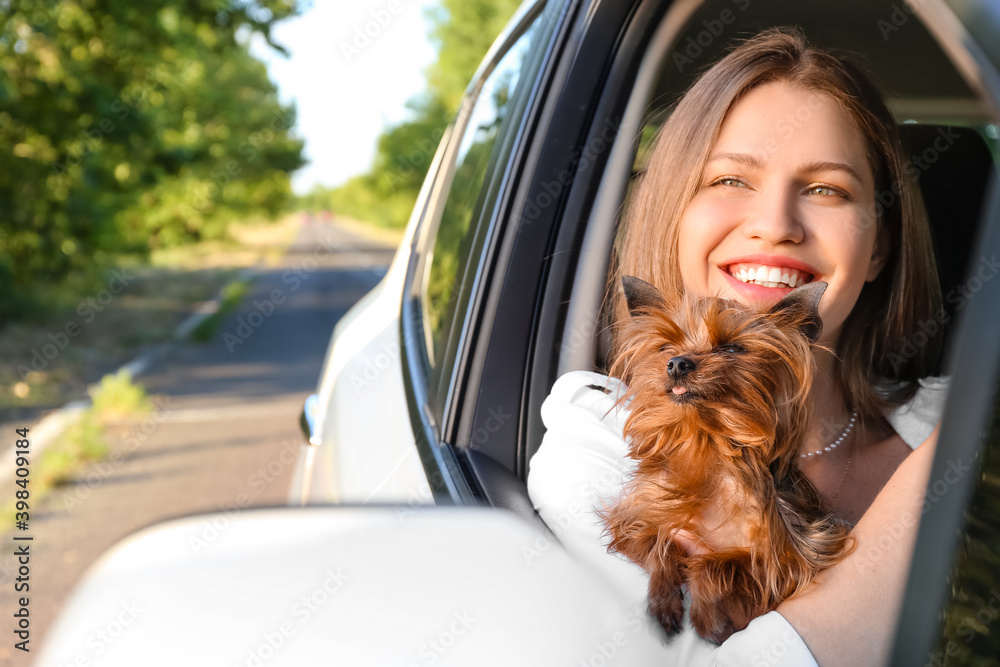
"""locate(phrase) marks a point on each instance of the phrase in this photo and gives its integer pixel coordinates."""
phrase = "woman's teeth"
(769, 276)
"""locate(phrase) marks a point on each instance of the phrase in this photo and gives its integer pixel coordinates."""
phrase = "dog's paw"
(667, 607)
(725, 596)
(710, 624)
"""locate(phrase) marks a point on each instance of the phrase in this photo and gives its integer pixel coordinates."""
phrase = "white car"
(420, 549)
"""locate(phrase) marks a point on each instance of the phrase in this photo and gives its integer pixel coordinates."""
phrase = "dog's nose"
(678, 367)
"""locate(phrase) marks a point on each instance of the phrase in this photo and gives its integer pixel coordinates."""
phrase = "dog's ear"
(805, 299)
(641, 296)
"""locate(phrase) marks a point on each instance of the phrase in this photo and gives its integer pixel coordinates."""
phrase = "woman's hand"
(721, 523)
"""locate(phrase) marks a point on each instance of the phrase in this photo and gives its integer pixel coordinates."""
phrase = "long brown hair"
(884, 321)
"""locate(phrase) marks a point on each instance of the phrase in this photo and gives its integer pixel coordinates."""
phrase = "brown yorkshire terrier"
(717, 398)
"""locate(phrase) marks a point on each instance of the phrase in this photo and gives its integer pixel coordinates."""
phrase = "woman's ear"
(880, 254)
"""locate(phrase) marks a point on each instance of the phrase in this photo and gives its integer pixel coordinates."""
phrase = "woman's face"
(787, 197)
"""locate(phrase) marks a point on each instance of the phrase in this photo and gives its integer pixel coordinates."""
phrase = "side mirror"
(351, 585)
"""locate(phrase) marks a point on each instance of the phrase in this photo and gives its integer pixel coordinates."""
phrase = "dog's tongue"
(679, 390)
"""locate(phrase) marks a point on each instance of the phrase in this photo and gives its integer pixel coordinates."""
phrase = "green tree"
(127, 124)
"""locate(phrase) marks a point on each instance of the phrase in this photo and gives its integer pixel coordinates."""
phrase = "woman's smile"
(766, 277)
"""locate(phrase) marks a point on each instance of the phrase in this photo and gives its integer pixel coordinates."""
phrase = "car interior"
(924, 87)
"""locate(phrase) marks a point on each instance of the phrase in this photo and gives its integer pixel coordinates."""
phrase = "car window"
(450, 253)
(451, 245)
(970, 629)
(481, 161)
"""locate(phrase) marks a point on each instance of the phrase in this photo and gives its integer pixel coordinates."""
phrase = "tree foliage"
(462, 31)
(126, 125)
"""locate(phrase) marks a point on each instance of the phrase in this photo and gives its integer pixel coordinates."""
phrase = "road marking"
(235, 412)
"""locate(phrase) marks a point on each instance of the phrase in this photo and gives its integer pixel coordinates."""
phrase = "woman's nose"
(775, 219)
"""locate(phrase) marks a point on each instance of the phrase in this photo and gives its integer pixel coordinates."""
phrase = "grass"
(70, 334)
(232, 294)
(82, 443)
(117, 397)
(114, 398)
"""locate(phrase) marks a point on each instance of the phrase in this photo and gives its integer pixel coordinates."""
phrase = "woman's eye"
(731, 348)
(729, 181)
(827, 191)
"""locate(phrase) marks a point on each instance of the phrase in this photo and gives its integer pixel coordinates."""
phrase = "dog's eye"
(731, 348)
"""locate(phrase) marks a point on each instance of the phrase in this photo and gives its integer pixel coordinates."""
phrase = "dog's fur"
(729, 446)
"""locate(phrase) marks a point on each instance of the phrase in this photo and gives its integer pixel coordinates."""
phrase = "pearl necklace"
(833, 445)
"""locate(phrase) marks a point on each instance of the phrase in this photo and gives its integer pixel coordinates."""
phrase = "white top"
(583, 463)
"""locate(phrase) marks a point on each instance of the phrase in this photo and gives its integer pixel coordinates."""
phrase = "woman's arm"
(848, 616)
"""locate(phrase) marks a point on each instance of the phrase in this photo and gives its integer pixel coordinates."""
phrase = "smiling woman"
(784, 150)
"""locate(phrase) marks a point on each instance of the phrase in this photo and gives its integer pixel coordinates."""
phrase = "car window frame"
(976, 361)
(500, 176)
(446, 478)
(969, 407)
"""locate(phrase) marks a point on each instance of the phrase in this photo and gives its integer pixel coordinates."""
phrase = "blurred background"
(132, 128)
(192, 193)
(182, 135)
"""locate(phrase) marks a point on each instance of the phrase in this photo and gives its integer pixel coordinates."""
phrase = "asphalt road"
(224, 434)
